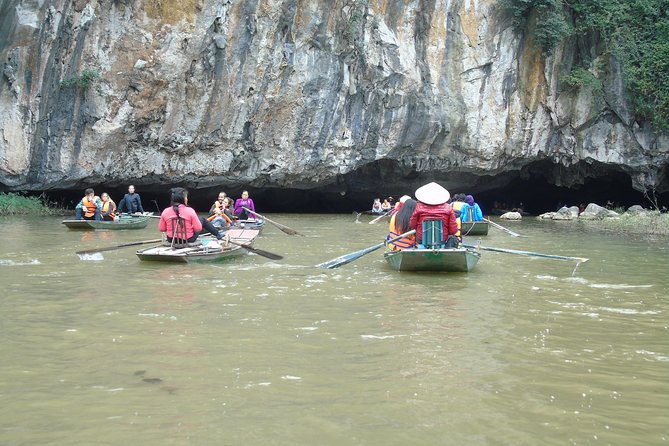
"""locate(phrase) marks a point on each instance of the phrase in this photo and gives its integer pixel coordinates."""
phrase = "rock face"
(334, 94)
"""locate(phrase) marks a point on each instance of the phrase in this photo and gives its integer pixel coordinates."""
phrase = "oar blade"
(283, 228)
(348, 258)
(113, 248)
(529, 253)
(260, 252)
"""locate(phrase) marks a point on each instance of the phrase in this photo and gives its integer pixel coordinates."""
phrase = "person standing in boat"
(433, 205)
(131, 202)
(108, 209)
(179, 209)
(89, 206)
(219, 214)
(470, 211)
(400, 222)
(244, 202)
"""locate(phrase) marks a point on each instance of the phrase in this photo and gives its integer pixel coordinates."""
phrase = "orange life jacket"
(219, 205)
(90, 206)
(457, 207)
(403, 243)
(105, 207)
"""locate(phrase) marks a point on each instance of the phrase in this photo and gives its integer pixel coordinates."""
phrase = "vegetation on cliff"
(17, 204)
(635, 32)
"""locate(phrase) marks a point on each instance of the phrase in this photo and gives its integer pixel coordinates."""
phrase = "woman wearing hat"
(433, 205)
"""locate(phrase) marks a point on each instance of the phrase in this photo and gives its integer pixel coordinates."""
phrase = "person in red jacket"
(433, 205)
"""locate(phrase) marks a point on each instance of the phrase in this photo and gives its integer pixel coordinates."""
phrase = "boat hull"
(474, 228)
(206, 252)
(443, 260)
(122, 224)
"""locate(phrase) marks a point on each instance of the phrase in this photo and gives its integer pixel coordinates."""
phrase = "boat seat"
(433, 234)
(177, 226)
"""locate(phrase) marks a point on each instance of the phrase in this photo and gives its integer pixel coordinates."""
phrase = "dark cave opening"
(355, 192)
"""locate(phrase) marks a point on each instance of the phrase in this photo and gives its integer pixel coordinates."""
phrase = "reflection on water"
(256, 352)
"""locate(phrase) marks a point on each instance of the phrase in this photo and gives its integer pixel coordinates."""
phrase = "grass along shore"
(17, 204)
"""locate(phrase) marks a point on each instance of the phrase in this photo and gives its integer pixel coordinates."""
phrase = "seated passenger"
(131, 202)
(399, 224)
(471, 210)
(433, 205)
(89, 207)
(218, 213)
(376, 206)
(244, 202)
(108, 208)
(385, 206)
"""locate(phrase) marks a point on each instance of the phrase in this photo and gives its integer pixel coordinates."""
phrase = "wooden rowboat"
(474, 228)
(447, 259)
(208, 250)
(130, 222)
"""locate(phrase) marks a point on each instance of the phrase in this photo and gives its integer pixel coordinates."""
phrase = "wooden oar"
(260, 252)
(528, 253)
(348, 258)
(283, 228)
(385, 214)
(495, 225)
(112, 248)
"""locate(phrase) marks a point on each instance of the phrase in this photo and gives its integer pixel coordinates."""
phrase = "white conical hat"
(433, 194)
(404, 198)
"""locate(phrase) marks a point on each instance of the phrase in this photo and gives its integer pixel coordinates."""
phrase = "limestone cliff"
(301, 94)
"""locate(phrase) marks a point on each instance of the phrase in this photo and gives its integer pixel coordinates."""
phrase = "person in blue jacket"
(470, 211)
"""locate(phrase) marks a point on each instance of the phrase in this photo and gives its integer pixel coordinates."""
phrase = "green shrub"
(87, 78)
(16, 204)
(635, 32)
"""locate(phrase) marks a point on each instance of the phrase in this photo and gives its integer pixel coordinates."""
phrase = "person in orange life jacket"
(219, 215)
(179, 209)
(399, 224)
(244, 202)
(457, 203)
(433, 205)
(471, 210)
(131, 202)
(89, 207)
(108, 208)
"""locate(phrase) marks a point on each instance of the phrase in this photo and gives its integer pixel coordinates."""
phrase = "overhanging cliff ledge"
(330, 96)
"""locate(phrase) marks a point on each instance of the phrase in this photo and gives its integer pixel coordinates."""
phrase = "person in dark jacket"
(131, 202)
(433, 205)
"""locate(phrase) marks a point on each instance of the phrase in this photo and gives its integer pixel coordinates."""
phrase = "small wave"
(291, 378)
(617, 286)
(546, 277)
(628, 311)
(381, 337)
(5, 262)
(94, 257)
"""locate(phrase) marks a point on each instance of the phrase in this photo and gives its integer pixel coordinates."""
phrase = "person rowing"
(180, 222)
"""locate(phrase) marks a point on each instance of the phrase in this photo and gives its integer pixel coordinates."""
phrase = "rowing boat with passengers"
(204, 249)
(460, 259)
